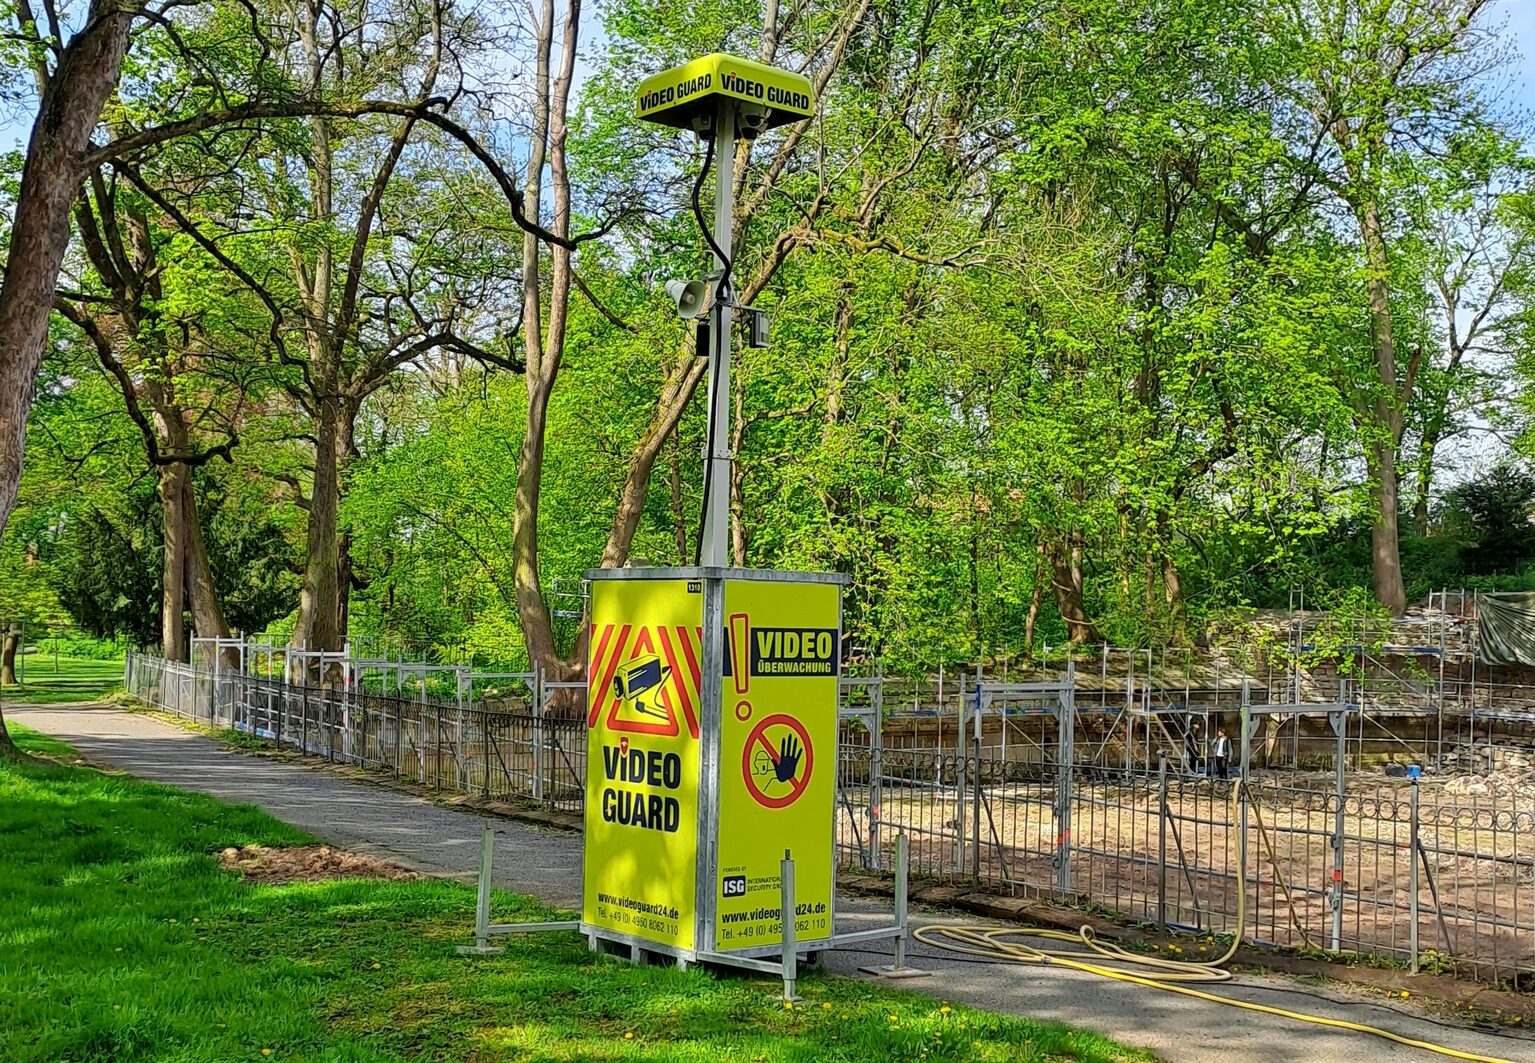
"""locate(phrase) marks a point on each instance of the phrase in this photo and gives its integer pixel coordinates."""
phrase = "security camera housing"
(752, 121)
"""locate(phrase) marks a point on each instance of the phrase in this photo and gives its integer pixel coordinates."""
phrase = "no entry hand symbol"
(777, 761)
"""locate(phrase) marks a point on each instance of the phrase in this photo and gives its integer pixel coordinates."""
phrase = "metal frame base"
(895, 973)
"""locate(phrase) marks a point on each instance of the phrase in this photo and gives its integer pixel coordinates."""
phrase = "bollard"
(790, 953)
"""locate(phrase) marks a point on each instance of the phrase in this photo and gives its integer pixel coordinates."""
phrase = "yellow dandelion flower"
(266, 1051)
(945, 1010)
(825, 1007)
(628, 1035)
(1405, 994)
(376, 966)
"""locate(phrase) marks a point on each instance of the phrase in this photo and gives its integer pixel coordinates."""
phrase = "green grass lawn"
(121, 939)
(46, 681)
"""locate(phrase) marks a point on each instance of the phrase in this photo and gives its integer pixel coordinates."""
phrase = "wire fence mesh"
(1395, 868)
(444, 745)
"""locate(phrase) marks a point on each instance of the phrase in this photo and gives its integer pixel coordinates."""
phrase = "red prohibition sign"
(758, 737)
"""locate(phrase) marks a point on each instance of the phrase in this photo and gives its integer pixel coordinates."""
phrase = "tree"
(74, 79)
(155, 345)
(1492, 515)
(1380, 83)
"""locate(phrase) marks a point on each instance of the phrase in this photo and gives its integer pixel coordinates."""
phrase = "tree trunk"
(1385, 550)
(317, 609)
(207, 612)
(1425, 478)
(173, 535)
(8, 655)
(83, 80)
(1172, 588)
(1386, 431)
(544, 318)
(1172, 579)
(1066, 564)
(1037, 599)
(8, 750)
(663, 422)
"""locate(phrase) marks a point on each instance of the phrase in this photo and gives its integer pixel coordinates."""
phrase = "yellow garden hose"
(1153, 972)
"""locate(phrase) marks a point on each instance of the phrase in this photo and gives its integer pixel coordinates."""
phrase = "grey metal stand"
(898, 969)
(484, 929)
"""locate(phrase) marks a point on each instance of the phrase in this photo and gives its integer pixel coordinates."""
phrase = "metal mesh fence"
(471, 749)
(1395, 868)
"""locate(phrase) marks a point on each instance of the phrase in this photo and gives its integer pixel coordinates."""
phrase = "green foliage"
(84, 647)
(1491, 516)
(108, 577)
(1078, 323)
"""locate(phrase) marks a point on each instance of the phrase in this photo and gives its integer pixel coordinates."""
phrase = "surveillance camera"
(689, 297)
(753, 120)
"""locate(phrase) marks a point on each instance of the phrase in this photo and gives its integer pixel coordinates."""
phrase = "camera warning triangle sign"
(644, 679)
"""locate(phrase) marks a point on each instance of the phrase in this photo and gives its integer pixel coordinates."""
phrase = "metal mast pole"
(716, 531)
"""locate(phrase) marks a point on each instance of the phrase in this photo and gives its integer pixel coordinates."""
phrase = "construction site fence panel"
(1399, 869)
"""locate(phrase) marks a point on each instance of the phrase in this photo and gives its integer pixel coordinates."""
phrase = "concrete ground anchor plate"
(892, 972)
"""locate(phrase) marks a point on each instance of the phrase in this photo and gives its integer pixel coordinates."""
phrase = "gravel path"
(546, 864)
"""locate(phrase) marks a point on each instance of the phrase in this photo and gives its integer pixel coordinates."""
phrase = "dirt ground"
(1475, 874)
(307, 863)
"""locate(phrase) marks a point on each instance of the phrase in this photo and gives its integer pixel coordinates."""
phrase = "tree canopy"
(1091, 319)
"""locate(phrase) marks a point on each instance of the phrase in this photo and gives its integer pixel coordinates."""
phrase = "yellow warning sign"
(777, 758)
(675, 96)
(642, 759)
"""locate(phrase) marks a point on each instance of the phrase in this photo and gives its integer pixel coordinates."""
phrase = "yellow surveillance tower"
(721, 97)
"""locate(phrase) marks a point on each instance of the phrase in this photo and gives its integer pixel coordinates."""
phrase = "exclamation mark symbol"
(740, 651)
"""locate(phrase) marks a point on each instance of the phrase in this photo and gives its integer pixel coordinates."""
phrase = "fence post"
(902, 873)
(1063, 781)
(538, 731)
(1340, 726)
(975, 807)
(876, 784)
(1162, 839)
(1412, 878)
(790, 953)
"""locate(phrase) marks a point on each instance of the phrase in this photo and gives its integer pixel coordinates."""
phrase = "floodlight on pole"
(720, 97)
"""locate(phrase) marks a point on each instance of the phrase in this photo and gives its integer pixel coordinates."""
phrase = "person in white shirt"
(1222, 753)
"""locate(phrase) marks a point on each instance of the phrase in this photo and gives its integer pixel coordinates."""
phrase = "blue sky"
(1519, 31)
